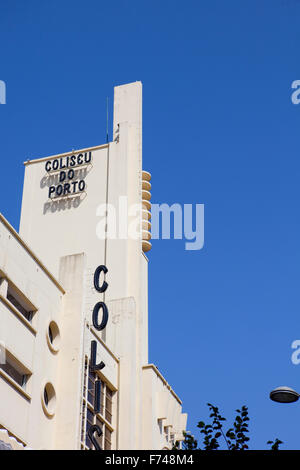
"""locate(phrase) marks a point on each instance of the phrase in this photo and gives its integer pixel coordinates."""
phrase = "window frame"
(20, 369)
(88, 407)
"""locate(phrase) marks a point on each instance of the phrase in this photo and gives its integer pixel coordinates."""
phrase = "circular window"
(53, 336)
(49, 399)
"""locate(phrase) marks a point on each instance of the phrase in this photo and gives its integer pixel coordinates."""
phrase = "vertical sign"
(99, 308)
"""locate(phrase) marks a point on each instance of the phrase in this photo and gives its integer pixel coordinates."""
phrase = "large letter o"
(98, 306)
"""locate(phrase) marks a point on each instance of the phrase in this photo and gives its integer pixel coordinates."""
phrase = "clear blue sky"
(219, 129)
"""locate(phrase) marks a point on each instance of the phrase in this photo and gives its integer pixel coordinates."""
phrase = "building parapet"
(154, 368)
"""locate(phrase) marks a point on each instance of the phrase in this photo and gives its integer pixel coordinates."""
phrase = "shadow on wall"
(57, 178)
(66, 189)
(64, 203)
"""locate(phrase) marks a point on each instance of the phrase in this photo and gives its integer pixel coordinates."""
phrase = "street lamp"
(284, 395)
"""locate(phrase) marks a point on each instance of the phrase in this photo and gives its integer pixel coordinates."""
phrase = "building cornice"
(61, 155)
(30, 252)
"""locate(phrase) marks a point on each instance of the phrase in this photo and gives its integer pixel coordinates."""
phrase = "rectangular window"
(108, 405)
(160, 425)
(89, 422)
(15, 370)
(102, 427)
(83, 419)
(107, 445)
(91, 388)
(166, 432)
(20, 303)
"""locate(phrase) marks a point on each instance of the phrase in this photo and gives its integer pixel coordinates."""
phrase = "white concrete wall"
(77, 334)
(160, 403)
(21, 410)
(55, 228)
(59, 230)
(116, 170)
(69, 374)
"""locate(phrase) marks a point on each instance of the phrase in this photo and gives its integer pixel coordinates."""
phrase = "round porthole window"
(49, 399)
(53, 336)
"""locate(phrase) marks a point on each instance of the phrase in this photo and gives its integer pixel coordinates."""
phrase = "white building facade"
(74, 302)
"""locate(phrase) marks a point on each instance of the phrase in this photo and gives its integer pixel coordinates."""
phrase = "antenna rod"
(107, 119)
